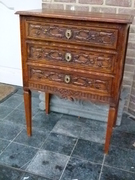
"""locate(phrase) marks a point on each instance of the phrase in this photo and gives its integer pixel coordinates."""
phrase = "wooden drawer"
(94, 36)
(68, 79)
(53, 53)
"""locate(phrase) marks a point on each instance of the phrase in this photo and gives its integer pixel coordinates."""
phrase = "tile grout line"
(17, 108)
(25, 145)
(12, 110)
(11, 142)
(26, 163)
(5, 139)
(39, 149)
(22, 170)
(68, 159)
(48, 135)
(31, 161)
(64, 168)
(74, 147)
(119, 169)
(102, 168)
(45, 141)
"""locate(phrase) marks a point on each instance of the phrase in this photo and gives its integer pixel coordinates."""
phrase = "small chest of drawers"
(74, 55)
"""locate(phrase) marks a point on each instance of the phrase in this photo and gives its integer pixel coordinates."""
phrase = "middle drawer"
(72, 56)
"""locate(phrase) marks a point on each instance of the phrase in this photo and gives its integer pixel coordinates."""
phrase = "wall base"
(81, 108)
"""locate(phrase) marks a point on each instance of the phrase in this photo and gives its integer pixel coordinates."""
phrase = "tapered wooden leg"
(110, 123)
(116, 113)
(27, 104)
(47, 103)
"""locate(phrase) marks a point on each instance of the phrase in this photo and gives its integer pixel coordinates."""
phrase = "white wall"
(10, 53)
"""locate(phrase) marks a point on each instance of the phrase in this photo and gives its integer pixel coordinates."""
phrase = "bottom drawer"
(67, 79)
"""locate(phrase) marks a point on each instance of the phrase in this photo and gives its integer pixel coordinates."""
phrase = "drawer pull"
(68, 57)
(67, 79)
(68, 33)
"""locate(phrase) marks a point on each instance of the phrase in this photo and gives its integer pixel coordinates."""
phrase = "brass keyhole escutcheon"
(45, 31)
(67, 79)
(68, 33)
(68, 57)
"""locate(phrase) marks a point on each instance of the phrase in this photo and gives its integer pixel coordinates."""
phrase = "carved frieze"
(65, 93)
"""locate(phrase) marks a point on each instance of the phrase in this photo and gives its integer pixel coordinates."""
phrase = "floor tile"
(28, 176)
(81, 170)
(13, 101)
(9, 131)
(94, 131)
(34, 93)
(34, 109)
(48, 164)
(110, 173)
(127, 125)
(74, 118)
(90, 151)
(17, 117)
(17, 155)
(45, 122)
(59, 143)
(19, 91)
(121, 158)
(3, 144)
(7, 173)
(36, 140)
(123, 139)
(68, 128)
(4, 111)
(35, 104)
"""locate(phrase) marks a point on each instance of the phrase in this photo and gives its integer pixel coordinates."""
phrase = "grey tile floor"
(62, 147)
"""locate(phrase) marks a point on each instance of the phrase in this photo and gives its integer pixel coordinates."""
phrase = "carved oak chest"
(74, 55)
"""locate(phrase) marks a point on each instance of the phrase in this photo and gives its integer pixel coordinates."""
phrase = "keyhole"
(67, 79)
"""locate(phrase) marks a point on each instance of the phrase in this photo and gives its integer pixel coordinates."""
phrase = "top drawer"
(93, 36)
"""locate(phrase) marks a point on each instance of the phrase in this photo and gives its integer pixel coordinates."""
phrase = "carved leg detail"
(47, 101)
(27, 104)
(111, 119)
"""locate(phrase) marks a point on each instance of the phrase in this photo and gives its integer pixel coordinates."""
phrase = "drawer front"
(90, 60)
(93, 36)
(69, 80)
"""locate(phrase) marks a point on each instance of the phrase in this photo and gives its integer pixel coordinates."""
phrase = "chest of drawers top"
(78, 15)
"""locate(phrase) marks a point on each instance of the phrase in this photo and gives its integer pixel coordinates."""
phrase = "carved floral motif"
(97, 84)
(92, 59)
(91, 35)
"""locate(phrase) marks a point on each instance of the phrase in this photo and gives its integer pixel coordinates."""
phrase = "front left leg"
(27, 105)
(116, 114)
